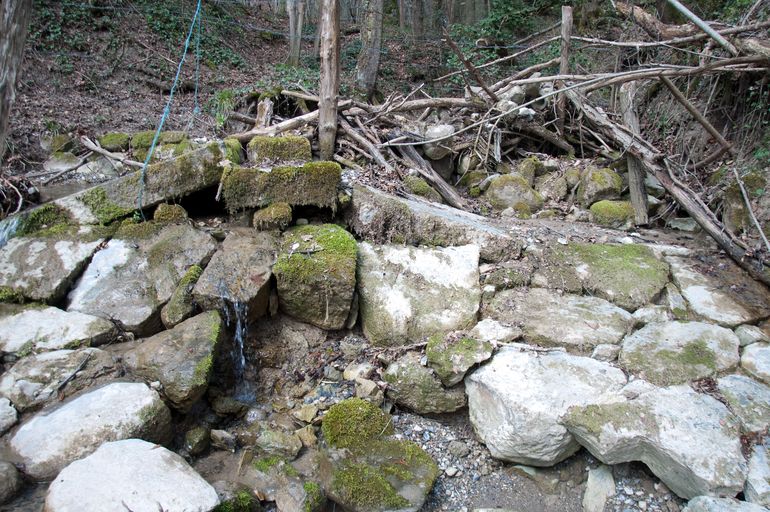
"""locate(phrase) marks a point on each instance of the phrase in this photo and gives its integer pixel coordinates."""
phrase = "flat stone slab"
(239, 273)
(407, 293)
(688, 440)
(756, 361)
(721, 293)
(709, 504)
(130, 475)
(35, 380)
(383, 218)
(181, 359)
(41, 269)
(51, 440)
(132, 278)
(749, 400)
(515, 401)
(758, 482)
(551, 319)
(30, 329)
(678, 352)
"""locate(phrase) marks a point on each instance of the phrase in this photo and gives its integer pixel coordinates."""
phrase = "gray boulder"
(748, 399)
(418, 388)
(8, 415)
(678, 352)
(37, 379)
(130, 475)
(513, 191)
(407, 293)
(758, 482)
(52, 439)
(10, 481)
(29, 329)
(181, 359)
(438, 150)
(598, 184)
(515, 401)
(136, 273)
(451, 356)
(584, 322)
(756, 361)
(748, 334)
(690, 441)
(709, 504)
(600, 486)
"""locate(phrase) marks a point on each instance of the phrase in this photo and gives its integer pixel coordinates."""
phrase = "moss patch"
(313, 184)
(366, 489)
(115, 141)
(354, 421)
(287, 148)
(49, 219)
(169, 213)
(233, 150)
(318, 250)
(666, 367)
(593, 418)
(130, 230)
(314, 497)
(613, 214)
(530, 167)
(452, 355)
(264, 464)
(275, 216)
(103, 209)
(420, 187)
(243, 501)
(10, 296)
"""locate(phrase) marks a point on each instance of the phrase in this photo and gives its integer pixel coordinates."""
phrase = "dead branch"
(96, 148)
(724, 43)
(747, 202)
(284, 126)
(373, 151)
(69, 168)
(471, 69)
(652, 25)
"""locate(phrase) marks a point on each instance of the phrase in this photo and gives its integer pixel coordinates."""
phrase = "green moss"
(530, 167)
(668, 367)
(275, 216)
(366, 489)
(314, 183)
(76, 344)
(49, 218)
(420, 187)
(314, 497)
(287, 148)
(522, 210)
(603, 179)
(472, 178)
(169, 213)
(115, 141)
(502, 189)
(216, 151)
(474, 192)
(62, 142)
(243, 501)
(202, 371)
(130, 230)
(449, 356)
(26, 349)
(191, 276)
(265, 464)
(233, 150)
(593, 418)
(318, 250)
(144, 139)
(182, 148)
(354, 421)
(103, 209)
(612, 213)
(10, 296)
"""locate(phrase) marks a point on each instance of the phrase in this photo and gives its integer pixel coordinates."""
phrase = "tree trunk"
(416, 18)
(636, 172)
(330, 77)
(401, 14)
(14, 18)
(371, 42)
(296, 10)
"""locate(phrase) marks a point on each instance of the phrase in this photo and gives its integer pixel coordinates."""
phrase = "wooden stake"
(635, 168)
(330, 77)
(566, 33)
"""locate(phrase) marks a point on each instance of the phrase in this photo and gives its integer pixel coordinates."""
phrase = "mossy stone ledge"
(316, 274)
(313, 184)
(115, 141)
(264, 150)
(612, 214)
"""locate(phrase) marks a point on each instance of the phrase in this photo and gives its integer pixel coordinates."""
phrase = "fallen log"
(284, 126)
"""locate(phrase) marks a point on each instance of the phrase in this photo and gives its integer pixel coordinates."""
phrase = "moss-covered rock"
(287, 149)
(275, 216)
(100, 205)
(510, 191)
(453, 355)
(316, 274)
(552, 187)
(62, 142)
(735, 214)
(418, 388)
(529, 168)
(142, 141)
(180, 306)
(47, 220)
(472, 178)
(598, 184)
(197, 439)
(115, 141)
(573, 175)
(353, 422)
(420, 187)
(313, 184)
(166, 213)
(612, 214)
(233, 150)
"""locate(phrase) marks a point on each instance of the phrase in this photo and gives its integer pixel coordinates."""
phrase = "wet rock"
(758, 481)
(688, 440)
(377, 472)
(585, 322)
(276, 442)
(407, 293)
(599, 488)
(181, 306)
(29, 329)
(513, 191)
(749, 401)
(726, 295)
(418, 388)
(597, 184)
(272, 217)
(756, 361)
(678, 352)
(748, 334)
(316, 274)
(438, 150)
(8, 416)
(10, 481)
(451, 356)
(197, 440)
(516, 400)
(42, 269)
(223, 440)
(137, 272)
(239, 274)
(181, 359)
(131, 474)
(383, 218)
(709, 504)
(53, 438)
(35, 380)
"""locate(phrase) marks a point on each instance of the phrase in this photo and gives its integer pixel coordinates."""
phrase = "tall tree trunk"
(417, 19)
(330, 77)
(14, 18)
(401, 14)
(371, 43)
(296, 10)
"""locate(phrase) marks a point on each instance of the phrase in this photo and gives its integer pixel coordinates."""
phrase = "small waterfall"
(243, 389)
(8, 227)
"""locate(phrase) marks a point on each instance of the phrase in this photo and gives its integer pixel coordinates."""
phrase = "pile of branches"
(556, 111)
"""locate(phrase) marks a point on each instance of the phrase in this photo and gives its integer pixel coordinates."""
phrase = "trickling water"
(243, 390)
(8, 227)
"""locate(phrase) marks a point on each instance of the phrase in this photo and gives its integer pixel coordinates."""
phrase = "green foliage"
(221, 105)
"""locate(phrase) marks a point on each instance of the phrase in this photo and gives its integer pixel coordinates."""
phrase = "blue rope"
(166, 110)
(197, 108)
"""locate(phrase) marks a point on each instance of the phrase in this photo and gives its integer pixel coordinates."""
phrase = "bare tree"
(371, 44)
(14, 18)
(330, 77)
(296, 9)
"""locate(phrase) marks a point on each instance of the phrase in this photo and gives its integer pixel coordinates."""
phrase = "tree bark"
(635, 168)
(14, 18)
(566, 34)
(371, 44)
(296, 10)
(330, 77)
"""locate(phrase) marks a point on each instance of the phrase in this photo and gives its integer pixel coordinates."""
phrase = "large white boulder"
(130, 475)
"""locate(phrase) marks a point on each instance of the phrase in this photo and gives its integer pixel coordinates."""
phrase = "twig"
(69, 168)
(471, 69)
(96, 148)
(71, 376)
(373, 151)
(750, 209)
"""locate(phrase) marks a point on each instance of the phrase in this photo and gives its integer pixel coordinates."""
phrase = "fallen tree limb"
(96, 148)
(651, 24)
(471, 69)
(724, 43)
(69, 168)
(373, 151)
(655, 164)
(289, 124)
